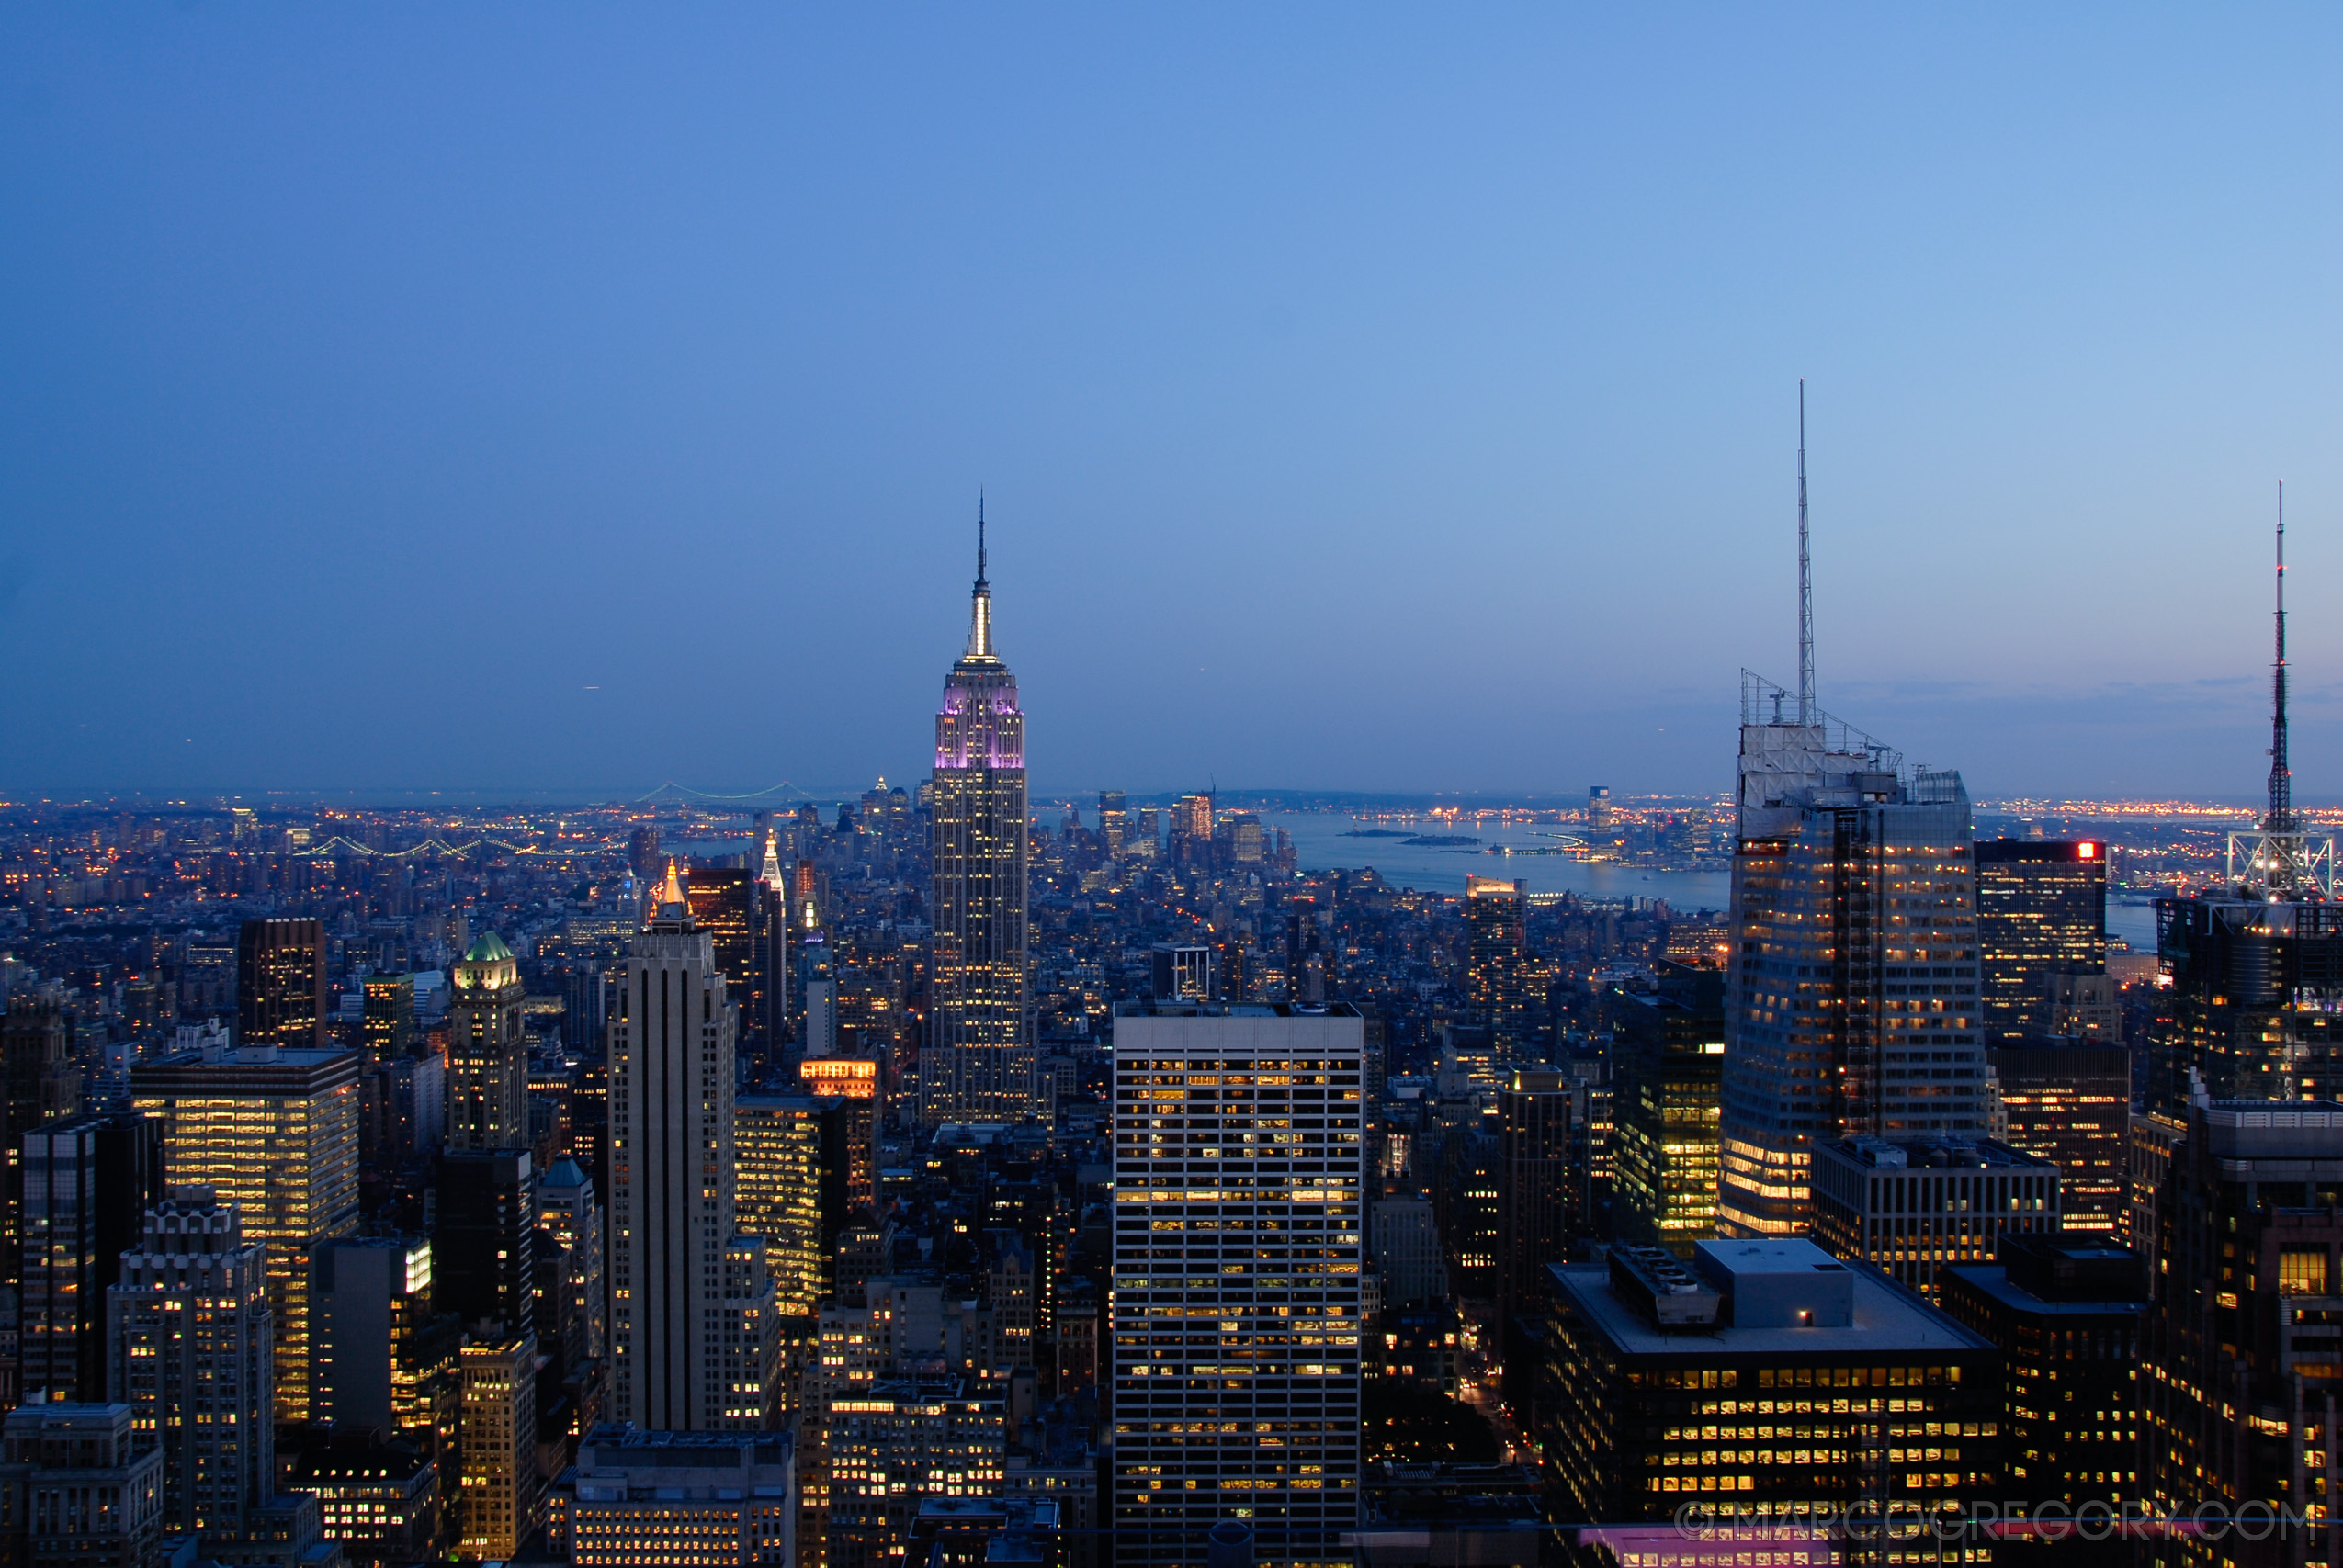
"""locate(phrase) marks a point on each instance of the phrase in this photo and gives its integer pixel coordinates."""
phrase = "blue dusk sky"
(569, 398)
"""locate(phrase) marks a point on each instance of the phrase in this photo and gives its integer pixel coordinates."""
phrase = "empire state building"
(980, 1064)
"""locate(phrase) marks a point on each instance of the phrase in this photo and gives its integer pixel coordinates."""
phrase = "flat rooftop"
(1888, 1320)
(1992, 1280)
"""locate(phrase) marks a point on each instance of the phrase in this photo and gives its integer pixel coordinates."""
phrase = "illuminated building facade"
(2069, 1101)
(2041, 913)
(853, 1081)
(2253, 1015)
(2238, 1370)
(1851, 1003)
(488, 1051)
(1909, 1207)
(1766, 1380)
(276, 1133)
(192, 1350)
(979, 1066)
(724, 903)
(502, 1498)
(1668, 1065)
(896, 1441)
(684, 1499)
(777, 1152)
(281, 984)
(1497, 939)
(2067, 1312)
(1236, 1306)
(673, 1293)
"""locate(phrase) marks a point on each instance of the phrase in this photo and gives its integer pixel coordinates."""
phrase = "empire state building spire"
(981, 603)
(979, 1065)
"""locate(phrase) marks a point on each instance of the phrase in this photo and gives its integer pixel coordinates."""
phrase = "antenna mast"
(1806, 578)
(2281, 777)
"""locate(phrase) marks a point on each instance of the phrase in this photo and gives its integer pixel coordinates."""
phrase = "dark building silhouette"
(88, 1182)
(483, 1238)
(1535, 1197)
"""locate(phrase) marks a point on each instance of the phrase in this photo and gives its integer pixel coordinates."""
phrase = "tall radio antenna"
(2281, 777)
(1805, 579)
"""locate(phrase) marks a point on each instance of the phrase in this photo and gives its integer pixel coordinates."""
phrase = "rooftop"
(1886, 1319)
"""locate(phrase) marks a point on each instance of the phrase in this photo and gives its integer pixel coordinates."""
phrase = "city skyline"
(1293, 346)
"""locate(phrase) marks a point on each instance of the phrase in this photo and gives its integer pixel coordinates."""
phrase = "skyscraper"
(2255, 962)
(280, 983)
(88, 1183)
(1668, 1056)
(37, 1084)
(1852, 992)
(483, 1237)
(672, 1181)
(2236, 1386)
(488, 1053)
(1496, 943)
(191, 1343)
(1534, 1203)
(778, 1155)
(2042, 915)
(569, 1212)
(723, 900)
(2070, 1102)
(1240, 1126)
(370, 1294)
(275, 1133)
(981, 1066)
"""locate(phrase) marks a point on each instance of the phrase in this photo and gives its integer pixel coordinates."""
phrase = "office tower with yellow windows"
(979, 1065)
(2069, 1101)
(679, 1289)
(275, 1132)
(1851, 997)
(192, 1350)
(1239, 1186)
(2042, 920)
(501, 1494)
(777, 1154)
(1668, 1061)
(281, 984)
(488, 1053)
(1496, 944)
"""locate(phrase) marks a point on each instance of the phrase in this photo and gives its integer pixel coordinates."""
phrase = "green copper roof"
(487, 949)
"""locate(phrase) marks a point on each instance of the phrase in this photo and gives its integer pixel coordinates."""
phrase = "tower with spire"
(978, 1064)
(2256, 963)
(1854, 953)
